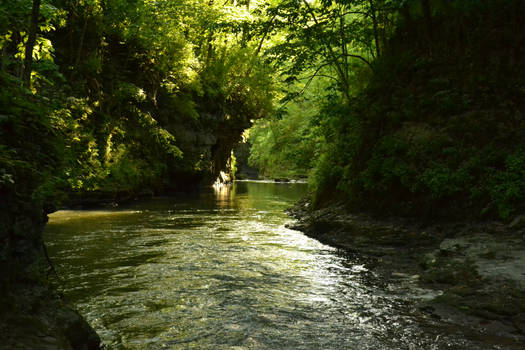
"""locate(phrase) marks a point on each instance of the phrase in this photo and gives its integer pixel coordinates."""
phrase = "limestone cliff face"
(206, 142)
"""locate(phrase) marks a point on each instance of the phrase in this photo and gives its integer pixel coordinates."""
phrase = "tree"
(31, 38)
(330, 38)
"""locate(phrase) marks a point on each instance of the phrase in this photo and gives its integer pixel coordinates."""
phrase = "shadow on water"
(219, 270)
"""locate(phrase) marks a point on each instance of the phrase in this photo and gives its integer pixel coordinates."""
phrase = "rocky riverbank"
(32, 314)
(34, 317)
(475, 270)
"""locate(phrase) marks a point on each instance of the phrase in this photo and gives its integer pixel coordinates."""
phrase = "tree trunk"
(82, 36)
(344, 48)
(405, 12)
(209, 41)
(330, 52)
(427, 16)
(30, 44)
(375, 25)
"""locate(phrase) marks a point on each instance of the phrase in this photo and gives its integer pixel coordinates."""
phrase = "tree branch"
(270, 25)
(360, 58)
(310, 78)
(344, 81)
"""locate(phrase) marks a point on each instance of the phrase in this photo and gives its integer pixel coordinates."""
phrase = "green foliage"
(393, 105)
(286, 145)
(29, 142)
(133, 95)
(437, 131)
(237, 77)
(507, 186)
(341, 135)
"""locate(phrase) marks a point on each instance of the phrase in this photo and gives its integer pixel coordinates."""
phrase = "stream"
(219, 270)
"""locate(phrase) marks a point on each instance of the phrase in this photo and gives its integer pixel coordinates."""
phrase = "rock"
(428, 260)
(476, 271)
(520, 220)
(38, 319)
(78, 333)
(511, 266)
(453, 245)
(519, 322)
(32, 316)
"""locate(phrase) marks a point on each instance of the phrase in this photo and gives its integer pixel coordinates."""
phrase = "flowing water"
(219, 270)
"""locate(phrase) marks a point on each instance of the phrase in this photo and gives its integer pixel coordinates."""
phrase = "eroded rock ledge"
(32, 314)
(477, 270)
(35, 317)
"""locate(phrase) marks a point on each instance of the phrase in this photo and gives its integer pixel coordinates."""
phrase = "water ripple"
(224, 273)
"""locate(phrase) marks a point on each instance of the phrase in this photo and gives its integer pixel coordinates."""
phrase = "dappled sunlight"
(407, 113)
(73, 215)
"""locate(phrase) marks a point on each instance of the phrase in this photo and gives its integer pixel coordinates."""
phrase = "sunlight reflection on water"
(69, 215)
(220, 271)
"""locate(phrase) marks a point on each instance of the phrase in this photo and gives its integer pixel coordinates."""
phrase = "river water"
(219, 270)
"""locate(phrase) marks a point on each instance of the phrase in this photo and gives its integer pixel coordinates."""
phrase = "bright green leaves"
(166, 77)
(326, 39)
(160, 136)
(237, 76)
(14, 28)
(287, 145)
